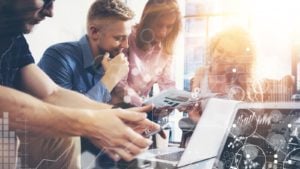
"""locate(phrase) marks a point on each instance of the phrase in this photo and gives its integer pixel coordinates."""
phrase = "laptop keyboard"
(171, 157)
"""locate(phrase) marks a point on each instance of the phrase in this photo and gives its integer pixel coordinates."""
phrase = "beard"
(112, 53)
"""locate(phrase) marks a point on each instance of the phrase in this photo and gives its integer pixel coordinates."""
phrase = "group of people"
(72, 92)
(97, 64)
(93, 66)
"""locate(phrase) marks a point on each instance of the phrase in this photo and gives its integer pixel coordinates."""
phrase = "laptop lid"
(209, 132)
(263, 135)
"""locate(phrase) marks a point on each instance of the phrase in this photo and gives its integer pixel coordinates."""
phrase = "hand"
(195, 112)
(162, 112)
(106, 130)
(144, 125)
(116, 67)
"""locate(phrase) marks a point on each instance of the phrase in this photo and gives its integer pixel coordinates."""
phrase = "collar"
(88, 59)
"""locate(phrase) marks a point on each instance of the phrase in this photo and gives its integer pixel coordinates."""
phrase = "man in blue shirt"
(49, 114)
(96, 63)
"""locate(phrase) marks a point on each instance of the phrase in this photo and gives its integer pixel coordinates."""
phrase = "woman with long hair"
(151, 44)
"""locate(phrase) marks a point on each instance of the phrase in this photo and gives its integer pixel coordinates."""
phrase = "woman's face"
(228, 67)
(163, 26)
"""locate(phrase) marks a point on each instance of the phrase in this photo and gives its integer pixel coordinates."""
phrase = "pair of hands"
(118, 131)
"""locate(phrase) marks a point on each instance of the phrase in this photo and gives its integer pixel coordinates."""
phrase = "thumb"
(131, 116)
(105, 60)
(146, 108)
(106, 57)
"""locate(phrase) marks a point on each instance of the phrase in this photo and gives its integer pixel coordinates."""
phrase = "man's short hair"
(102, 9)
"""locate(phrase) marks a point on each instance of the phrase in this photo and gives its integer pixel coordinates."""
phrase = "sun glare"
(275, 26)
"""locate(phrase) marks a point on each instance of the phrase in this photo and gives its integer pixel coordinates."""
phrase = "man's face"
(114, 38)
(30, 12)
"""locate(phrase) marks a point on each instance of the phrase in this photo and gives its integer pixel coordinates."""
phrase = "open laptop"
(204, 143)
(254, 135)
(262, 135)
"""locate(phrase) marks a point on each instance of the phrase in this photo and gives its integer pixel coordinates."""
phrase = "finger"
(105, 59)
(150, 125)
(106, 56)
(162, 134)
(124, 154)
(146, 108)
(112, 154)
(120, 57)
(130, 116)
(133, 149)
(138, 139)
(144, 125)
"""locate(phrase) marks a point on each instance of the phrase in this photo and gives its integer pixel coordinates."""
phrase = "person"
(96, 63)
(50, 114)
(150, 52)
(229, 70)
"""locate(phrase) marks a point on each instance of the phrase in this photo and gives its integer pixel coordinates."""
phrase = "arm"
(18, 104)
(61, 121)
(195, 111)
(49, 120)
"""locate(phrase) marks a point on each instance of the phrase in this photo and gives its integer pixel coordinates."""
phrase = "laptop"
(262, 135)
(204, 144)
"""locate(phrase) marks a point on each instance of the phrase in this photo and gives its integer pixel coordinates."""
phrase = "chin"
(27, 28)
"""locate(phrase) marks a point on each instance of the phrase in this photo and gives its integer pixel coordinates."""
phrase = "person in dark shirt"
(49, 114)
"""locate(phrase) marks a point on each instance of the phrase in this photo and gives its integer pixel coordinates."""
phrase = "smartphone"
(148, 133)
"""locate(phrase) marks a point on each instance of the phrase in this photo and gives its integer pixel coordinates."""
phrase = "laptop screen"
(263, 136)
(210, 131)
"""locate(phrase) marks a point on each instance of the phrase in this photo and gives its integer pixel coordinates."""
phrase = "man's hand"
(143, 125)
(106, 130)
(115, 70)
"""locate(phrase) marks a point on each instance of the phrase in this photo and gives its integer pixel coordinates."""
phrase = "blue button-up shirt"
(71, 65)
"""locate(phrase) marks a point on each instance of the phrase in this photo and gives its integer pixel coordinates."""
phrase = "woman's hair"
(153, 10)
(239, 48)
(236, 47)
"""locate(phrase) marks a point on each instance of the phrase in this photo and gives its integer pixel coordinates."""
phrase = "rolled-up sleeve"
(99, 92)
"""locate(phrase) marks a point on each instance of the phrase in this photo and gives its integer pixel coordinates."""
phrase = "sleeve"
(57, 68)
(26, 56)
(166, 79)
(99, 92)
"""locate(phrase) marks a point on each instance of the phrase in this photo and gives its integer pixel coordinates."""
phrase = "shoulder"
(66, 47)
(66, 50)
